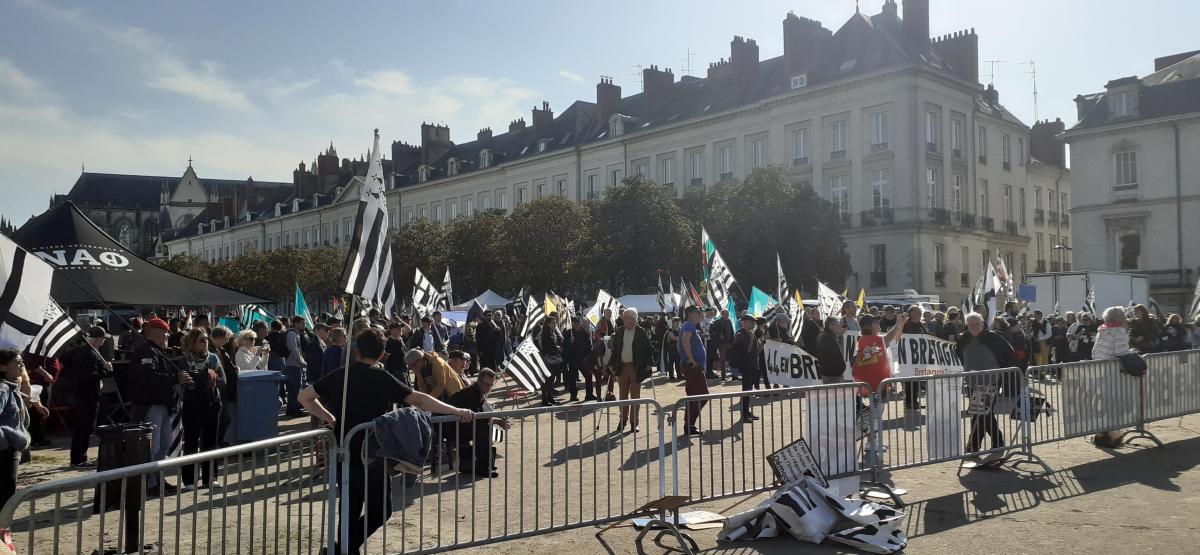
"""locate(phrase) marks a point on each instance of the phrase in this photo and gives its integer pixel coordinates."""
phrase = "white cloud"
(571, 75)
(389, 81)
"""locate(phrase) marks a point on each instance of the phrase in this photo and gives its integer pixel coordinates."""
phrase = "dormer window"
(452, 166)
(799, 81)
(295, 205)
(423, 174)
(200, 229)
(541, 146)
(1123, 103)
(616, 125)
(848, 65)
(485, 159)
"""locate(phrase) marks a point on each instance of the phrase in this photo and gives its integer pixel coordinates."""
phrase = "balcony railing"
(1053, 217)
(967, 220)
(837, 155)
(939, 216)
(670, 187)
(987, 223)
(1039, 216)
(1007, 166)
(697, 181)
(1010, 227)
(939, 279)
(878, 279)
(957, 153)
(1039, 266)
(983, 159)
(801, 161)
(726, 176)
(1126, 193)
(1065, 218)
(877, 216)
(964, 279)
(931, 147)
(879, 147)
(1055, 266)
(1168, 279)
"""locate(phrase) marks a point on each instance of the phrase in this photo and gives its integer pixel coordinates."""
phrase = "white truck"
(1068, 291)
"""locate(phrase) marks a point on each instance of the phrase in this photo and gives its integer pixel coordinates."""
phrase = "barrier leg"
(1025, 455)
(875, 439)
(1140, 432)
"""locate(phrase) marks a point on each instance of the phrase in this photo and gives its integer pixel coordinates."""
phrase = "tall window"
(956, 136)
(1021, 204)
(879, 129)
(640, 169)
(451, 210)
(838, 194)
(956, 194)
(593, 187)
(757, 146)
(1126, 167)
(878, 265)
(1052, 197)
(1037, 198)
(799, 146)
(837, 139)
(1020, 151)
(436, 210)
(881, 181)
(931, 188)
(521, 198)
(468, 207)
(1006, 150)
(668, 171)
(1008, 203)
(1062, 203)
(1039, 248)
(1008, 261)
(939, 257)
(983, 199)
(560, 186)
(502, 200)
(931, 130)
(981, 143)
(966, 265)
(697, 162)
(1124, 103)
(726, 160)
(615, 178)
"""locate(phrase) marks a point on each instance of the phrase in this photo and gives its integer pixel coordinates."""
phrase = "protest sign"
(913, 354)
(789, 365)
(795, 462)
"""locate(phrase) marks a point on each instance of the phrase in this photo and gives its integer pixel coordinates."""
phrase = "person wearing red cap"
(154, 393)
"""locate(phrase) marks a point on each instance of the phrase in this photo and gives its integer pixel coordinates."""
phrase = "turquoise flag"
(302, 308)
(232, 323)
(733, 315)
(759, 302)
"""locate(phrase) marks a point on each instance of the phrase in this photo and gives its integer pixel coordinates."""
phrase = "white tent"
(648, 303)
(488, 299)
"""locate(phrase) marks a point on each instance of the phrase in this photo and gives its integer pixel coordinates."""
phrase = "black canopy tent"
(92, 269)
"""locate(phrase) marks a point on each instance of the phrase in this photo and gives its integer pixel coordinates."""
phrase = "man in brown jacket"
(432, 375)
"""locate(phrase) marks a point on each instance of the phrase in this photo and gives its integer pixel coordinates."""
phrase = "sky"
(250, 89)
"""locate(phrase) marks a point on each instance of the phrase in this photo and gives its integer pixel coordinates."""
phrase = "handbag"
(1132, 364)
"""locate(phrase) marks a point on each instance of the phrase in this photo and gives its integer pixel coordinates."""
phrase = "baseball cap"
(157, 324)
(866, 320)
(748, 316)
(96, 332)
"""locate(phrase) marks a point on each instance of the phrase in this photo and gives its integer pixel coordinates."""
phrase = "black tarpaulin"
(90, 267)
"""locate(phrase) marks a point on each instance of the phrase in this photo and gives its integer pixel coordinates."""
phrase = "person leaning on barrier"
(870, 364)
(475, 453)
(984, 349)
(369, 392)
(831, 363)
(1112, 341)
(433, 376)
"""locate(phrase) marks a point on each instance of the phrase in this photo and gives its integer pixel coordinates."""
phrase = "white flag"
(364, 261)
(26, 292)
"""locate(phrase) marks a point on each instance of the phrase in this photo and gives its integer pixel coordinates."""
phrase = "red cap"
(156, 323)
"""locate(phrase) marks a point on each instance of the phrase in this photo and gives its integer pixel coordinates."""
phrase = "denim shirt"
(14, 418)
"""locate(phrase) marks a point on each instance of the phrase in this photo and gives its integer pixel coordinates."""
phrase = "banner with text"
(789, 365)
(912, 354)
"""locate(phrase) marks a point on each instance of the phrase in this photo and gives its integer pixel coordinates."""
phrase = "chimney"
(1044, 144)
(743, 54)
(961, 51)
(608, 99)
(991, 96)
(889, 8)
(484, 135)
(542, 118)
(657, 86)
(435, 142)
(802, 39)
(516, 125)
(916, 22)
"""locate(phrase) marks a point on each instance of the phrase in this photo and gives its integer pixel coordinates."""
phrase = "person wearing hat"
(153, 390)
(432, 375)
(426, 339)
(459, 362)
(743, 355)
(870, 364)
(692, 357)
(80, 377)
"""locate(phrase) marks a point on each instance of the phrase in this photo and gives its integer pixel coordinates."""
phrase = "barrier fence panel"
(728, 456)
(962, 412)
(275, 497)
(1172, 385)
(555, 468)
(1081, 398)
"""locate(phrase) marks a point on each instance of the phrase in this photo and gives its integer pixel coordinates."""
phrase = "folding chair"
(113, 408)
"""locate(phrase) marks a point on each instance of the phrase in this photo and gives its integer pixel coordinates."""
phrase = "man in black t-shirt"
(395, 349)
(369, 392)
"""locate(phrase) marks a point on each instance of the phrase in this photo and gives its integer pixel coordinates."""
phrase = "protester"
(630, 364)
(335, 354)
(315, 343)
(83, 368)
(14, 422)
(693, 357)
(550, 343)
(294, 365)
(811, 329)
(831, 363)
(1040, 333)
(40, 371)
(487, 338)
(870, 364)
(459, 361)
(850, 315)
(710, 315)
(953, 327)
(226, 351)
(369, 392)
(1175, 335)
(913, 325)
(722, 334)
(888, 319)
(249, 356)
(175, 335)
(154, 393)
(201, 404)
(1144, 331)
(133, 332)
(277, 342)
(426, 339)
(394, 351)
(577, 344)
(760, 336)
(1080, 337)
(1112, 341)
(431, 374)
(743, 355)
(475, 453)
(984, 349)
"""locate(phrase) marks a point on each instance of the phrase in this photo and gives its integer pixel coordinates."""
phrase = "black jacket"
(721, 331)
(808, 335)
(418, 340)
(152, 378)
(830, 361)
(81, 372)
(577, 344)
(641, 350)
(1005, 357)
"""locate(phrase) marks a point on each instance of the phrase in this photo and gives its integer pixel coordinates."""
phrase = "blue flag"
(733, 315)
(759, 302)
(302, 308)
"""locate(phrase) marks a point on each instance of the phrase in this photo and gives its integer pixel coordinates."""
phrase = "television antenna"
(687, 63)
(992, 70)
(1033, 75)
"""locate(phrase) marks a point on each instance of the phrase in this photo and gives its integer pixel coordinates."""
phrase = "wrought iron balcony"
(987, 223)
(1010, 227)
(1039, 216)
(939, 216)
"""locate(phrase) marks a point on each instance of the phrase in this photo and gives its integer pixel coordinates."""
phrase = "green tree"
(639, 231)
(418, 244)
(188, 265)
(476, 253)
(543, 241)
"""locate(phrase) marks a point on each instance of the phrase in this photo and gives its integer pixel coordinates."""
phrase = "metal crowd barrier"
(275, 498)
(1172, 385)
(1080, 399)
(728, 457)
(589, 473)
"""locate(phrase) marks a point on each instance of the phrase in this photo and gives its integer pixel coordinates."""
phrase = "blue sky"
(252, 88)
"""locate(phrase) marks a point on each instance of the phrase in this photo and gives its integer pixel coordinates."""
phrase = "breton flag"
(58, 330)
(447, 299)
(603, 301)
(1194, 311)
(796, 324)
(535, 312)
(366, 259)
(425, 295)
(527, 367)
(661, 296)
(26, 293)
(251, 313)
(782, 284)
(1090, 303)
(829, 302)
(983, 296)
(720, 278)
(386, 292)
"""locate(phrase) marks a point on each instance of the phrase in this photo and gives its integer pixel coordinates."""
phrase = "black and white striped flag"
(535, 312)
(425, 295)
(366, 258)
(498, 434)
(447, 299)
(26, 280)
(527, 367)
(796, 325)
(251, 313)
(782, 286)
(387, 285)
(661, 297)
(58, 331)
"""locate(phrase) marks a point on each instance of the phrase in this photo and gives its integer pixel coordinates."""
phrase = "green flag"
(302, 308)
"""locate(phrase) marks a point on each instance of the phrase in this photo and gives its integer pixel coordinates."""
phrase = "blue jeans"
(275, 363)
(162, 438)
(294, 383)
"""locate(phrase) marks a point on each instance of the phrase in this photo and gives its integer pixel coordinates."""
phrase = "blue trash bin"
(258, 405)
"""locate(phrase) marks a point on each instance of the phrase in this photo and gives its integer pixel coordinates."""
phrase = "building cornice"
(1115, 128)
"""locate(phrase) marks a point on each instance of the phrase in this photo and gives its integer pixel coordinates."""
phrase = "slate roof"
(143, 191)
(1172, 90)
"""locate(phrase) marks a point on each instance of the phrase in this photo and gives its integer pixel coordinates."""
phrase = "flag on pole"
(338, 312)
(251, 313)
(828, 301)
(862, 299)
(1090, 303)
(696, 296)
(302, 308)
(425, 295)
(1194, 311)
(527, 367)
(759, 302)
(187, 325)
(983, 296)
(603, 301)
(661, 296)
(366, 257)
(386, 293)
(720, 279)
(26, 293)
(535, 312)
(781, 288)
(447, 299)
(796, 324)
(58, 331)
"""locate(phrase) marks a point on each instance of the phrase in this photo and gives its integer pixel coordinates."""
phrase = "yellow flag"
(862, 299)
(799, 301)
(548, 305)
(845, 292)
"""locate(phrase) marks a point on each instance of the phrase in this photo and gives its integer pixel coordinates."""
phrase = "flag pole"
(346, 380)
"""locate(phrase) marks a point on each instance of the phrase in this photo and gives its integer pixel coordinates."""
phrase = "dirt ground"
(557, 469)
